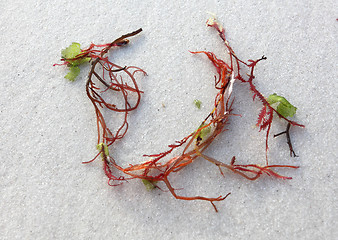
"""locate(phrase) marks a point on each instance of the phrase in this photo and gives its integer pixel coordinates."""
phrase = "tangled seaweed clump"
(109, 79)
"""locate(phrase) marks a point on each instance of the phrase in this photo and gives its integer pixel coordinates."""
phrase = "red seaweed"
(106, 79)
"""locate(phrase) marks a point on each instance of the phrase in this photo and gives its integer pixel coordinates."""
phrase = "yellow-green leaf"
(71, 51)
(281, 105)
(74, 71)
(197, 103)
(150, 185)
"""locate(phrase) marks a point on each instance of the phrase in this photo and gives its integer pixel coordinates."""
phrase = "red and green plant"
(107, 80)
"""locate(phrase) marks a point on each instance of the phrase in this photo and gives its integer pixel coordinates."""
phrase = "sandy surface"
(48, 125)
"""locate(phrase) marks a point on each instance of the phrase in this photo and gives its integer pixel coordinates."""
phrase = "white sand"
(48, 125)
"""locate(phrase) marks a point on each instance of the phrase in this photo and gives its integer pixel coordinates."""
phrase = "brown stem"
(287, 133)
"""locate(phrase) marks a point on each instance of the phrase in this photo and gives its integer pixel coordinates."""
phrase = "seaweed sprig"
(107, 81)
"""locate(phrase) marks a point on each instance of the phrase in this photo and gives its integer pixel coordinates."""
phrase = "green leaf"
(74, 71)
(80, 61)
(203, 133)
(150, 185)
(197, 103)
(71, 51)
(105, 148)
(281, 105)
